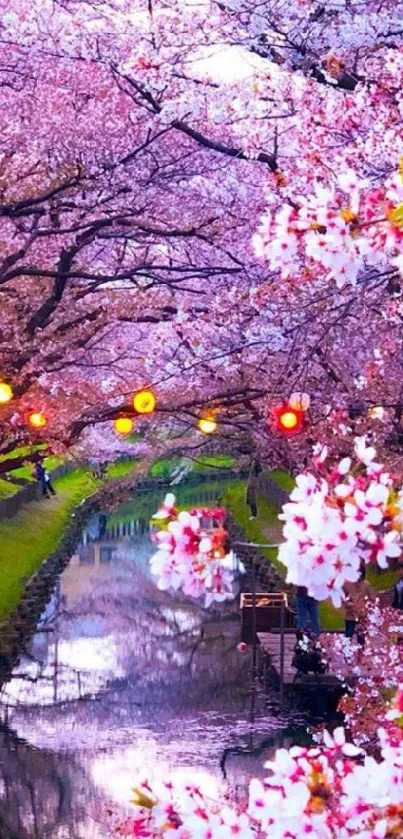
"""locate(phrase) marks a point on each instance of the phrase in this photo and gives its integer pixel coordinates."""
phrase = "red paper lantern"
(288, 420)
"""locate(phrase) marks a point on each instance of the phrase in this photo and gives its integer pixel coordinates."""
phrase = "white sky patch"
(226, 64)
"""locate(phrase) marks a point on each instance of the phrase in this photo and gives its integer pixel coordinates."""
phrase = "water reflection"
(121, 678)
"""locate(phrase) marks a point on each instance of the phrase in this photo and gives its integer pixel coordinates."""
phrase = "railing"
(9, 507)
(192, 479)
(270, 490)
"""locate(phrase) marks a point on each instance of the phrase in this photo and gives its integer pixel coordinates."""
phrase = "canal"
(121, 680)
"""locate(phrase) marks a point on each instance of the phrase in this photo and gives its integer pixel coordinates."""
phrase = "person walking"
(39, 474)
(48, 482)
(397, 601)
(358, 595)
(44, 479)
(306, 608)
(252, 489)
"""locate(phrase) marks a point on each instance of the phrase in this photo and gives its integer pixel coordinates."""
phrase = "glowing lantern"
(123, 425)
(299, 401)
(144, 402)
(288, 420)
(37, 419)
(207, 425)
(6, 393)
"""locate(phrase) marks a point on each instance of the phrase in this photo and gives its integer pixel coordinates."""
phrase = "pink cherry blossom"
(330, 525)
(190, 559)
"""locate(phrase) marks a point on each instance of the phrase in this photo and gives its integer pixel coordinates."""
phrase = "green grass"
(265, 529)
(209, 462)
(282, 479)
(25, 472)
(22, 451)
(380, 581)
(257, 530)
(203, 465)
(7, 488)
(121, 469)
(28, 538)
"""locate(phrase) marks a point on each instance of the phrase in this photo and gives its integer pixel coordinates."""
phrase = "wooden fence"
(270, 490)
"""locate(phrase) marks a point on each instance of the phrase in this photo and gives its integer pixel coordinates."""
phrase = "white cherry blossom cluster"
(338, 518)
(341, 228)
(335, 791)
(191, 558)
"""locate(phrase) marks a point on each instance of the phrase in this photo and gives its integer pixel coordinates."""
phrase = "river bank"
(37, 544)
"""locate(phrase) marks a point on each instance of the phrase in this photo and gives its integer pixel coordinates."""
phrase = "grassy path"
(28, 538)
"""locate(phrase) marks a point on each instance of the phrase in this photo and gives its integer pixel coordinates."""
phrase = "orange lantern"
(144, 402)
(6, 393)
(207, 425)
(123, 425)
(37, 419)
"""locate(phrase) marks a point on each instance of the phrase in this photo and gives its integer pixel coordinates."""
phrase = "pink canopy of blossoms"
(190, 557)
(337, 518)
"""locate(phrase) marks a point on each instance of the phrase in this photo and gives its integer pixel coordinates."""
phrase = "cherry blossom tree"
(214, 212)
